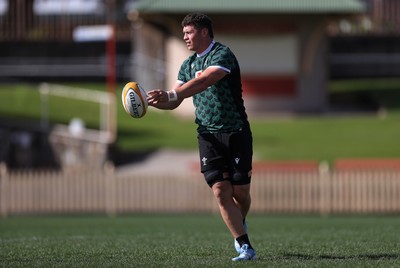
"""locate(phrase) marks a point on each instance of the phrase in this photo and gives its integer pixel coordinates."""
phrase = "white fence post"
(3, 190)
(325, 196)
(110, 189)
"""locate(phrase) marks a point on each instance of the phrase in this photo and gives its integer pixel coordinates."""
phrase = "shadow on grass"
(366, 99)
(125, 156)
(383, 256)
(129, 157)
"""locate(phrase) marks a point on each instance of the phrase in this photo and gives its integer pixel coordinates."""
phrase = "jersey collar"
(207, 50)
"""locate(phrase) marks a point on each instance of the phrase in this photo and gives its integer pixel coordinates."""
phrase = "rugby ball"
(134, 100)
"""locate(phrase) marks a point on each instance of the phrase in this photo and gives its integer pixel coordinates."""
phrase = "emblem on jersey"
(237, 159)
(204, 160)
(198, 73)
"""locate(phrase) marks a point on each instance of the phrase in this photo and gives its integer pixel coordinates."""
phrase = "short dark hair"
(199, 21)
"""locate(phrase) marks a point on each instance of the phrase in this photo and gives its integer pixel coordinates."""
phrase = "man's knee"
(241, 193)
(223, 192)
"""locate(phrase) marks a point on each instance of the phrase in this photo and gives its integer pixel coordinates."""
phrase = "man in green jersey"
(212, 76)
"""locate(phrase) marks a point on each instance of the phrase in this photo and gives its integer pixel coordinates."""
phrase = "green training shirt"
(220, 107)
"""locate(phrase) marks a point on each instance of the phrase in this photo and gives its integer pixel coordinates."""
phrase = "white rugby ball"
(134, 100)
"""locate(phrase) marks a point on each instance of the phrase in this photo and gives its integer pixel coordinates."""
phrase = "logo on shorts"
(204, 160)
(237, 159)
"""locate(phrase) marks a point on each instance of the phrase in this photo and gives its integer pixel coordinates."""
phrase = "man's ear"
(204, 32)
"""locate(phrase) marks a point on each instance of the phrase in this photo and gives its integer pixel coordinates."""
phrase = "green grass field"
(198, 241)
(312, 137)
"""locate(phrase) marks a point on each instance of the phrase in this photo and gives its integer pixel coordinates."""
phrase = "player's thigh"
(241, 145)
(213, 164)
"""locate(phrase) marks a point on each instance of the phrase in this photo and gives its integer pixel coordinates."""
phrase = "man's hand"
(157, 96)
(163, 99)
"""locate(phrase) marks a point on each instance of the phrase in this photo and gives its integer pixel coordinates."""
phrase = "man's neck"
(207, 49)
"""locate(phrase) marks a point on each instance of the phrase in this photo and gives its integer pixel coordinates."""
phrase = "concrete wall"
(313, 75)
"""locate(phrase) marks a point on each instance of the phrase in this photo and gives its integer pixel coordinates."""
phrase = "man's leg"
(230, 212)
(233, 217)
(241, 195)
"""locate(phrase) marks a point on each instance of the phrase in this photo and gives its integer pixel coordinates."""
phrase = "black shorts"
(226, 156)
